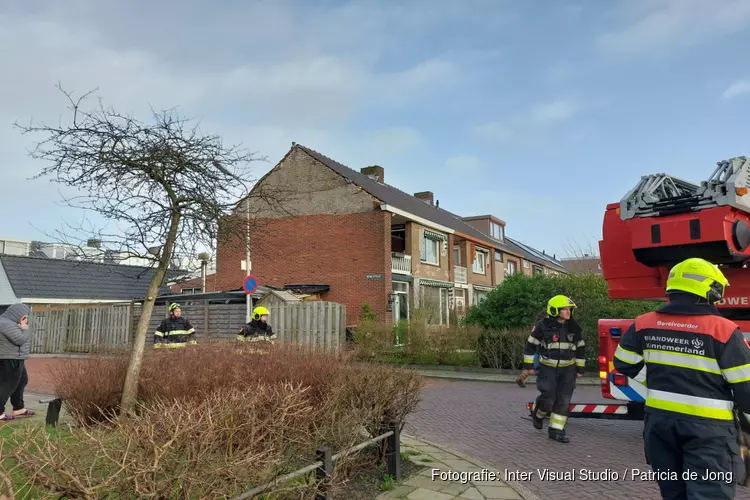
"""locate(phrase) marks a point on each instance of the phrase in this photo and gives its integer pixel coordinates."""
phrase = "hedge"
(520, 300)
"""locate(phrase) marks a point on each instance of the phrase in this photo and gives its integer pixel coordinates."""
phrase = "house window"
(398, 240)
(480, 262)
(538, 270)
(457, 261)
(190, 290)
(497, 231)
(512, 269)
(526, 264)
(479, 296)
(498, 256)
(430, 249)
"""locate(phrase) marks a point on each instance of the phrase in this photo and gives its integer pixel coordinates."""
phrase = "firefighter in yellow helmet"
(174, 331)
(258, 328)
(698, 378)
(558, 339)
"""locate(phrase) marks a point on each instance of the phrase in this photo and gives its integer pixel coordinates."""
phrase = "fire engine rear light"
(620, 379)
(615, 332)
(603, 375)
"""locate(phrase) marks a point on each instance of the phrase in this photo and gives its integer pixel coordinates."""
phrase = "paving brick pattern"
(485, 420)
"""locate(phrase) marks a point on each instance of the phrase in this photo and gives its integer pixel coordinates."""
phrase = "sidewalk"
(494, 377)
(429, 485)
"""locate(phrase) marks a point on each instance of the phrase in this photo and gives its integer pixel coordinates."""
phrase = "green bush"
(518, 301)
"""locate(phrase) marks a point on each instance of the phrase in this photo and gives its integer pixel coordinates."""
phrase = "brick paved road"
(484, 420)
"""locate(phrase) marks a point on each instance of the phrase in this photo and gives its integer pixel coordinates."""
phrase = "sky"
(539, 113)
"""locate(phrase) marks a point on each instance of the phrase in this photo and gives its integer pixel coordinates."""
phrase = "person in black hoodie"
(258, 328)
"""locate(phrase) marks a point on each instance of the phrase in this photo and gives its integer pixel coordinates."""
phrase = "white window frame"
(426, 240)
(525, 264)
(511, 264)
(475, 266)
(500, 233)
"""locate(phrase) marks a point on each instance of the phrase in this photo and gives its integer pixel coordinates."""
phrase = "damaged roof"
(404, 201)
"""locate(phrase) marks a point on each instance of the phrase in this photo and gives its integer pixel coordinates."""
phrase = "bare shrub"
(222, 417)
(502, 349)
(174, 449)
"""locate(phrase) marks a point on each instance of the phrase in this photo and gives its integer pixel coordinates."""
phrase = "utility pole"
(248, 299)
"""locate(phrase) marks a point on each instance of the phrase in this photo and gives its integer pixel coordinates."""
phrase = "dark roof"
(409, 203)
(227, 296)
(399, 199)
(306, 289)
(42, 278)
(534, 255)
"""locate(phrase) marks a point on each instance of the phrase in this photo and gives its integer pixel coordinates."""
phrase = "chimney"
(374, 172)
(425, 196)
(94, 243)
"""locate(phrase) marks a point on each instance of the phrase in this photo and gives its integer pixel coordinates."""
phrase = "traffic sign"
(250, 284)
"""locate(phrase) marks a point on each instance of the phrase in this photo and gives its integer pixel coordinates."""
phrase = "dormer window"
(497, 231)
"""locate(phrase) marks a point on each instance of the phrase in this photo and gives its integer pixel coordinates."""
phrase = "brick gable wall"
(338, 250)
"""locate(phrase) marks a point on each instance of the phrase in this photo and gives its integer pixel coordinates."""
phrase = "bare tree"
(163, 185)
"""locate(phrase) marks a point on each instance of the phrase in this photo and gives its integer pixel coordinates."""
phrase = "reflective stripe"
(528, 358)
(747, 417)
(158, 333)
(173, 345)
(690, 405)
(581, 343)
(557, 363)
(580, 362)
(737, 374)
(682, 360)
(532, 340)
(180, 332)
(626, 356)
(557, 421)
(561, 345)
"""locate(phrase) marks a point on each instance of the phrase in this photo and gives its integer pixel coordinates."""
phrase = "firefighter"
(697, 370)
(559, 341)
(258, 328)
(174, 331)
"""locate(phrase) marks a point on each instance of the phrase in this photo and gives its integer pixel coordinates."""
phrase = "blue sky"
(538, 112)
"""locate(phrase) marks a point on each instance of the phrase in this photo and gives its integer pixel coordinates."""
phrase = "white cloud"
(656, 25)
(737, 88)
(263, 74)
(463, 162)
(493, 131)
(553, 111)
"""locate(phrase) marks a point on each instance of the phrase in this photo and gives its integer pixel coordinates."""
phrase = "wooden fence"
(72, 329)
(76, 328)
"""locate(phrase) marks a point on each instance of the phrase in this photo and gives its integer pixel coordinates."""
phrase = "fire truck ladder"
(663, 194)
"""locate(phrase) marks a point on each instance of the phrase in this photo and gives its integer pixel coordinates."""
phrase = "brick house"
(368, 242)
(584, 265)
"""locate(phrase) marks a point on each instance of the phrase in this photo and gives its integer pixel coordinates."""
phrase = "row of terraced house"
(349, 237)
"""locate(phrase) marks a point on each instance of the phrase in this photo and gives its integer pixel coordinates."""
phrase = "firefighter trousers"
(556, 386)
(704, 455)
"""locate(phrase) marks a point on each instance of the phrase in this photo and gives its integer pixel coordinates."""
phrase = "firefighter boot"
(559, 436)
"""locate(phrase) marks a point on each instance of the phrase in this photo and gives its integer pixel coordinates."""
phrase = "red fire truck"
(660, 222)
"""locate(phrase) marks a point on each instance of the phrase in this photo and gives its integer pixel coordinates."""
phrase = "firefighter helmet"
(698, 277)
(259, 311)
(173, 306)
(558, 302)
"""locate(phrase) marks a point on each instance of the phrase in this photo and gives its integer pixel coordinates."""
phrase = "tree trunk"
(130, 389)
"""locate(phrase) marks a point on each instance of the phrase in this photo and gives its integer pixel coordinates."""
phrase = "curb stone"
(497, 378)
(524, 492)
